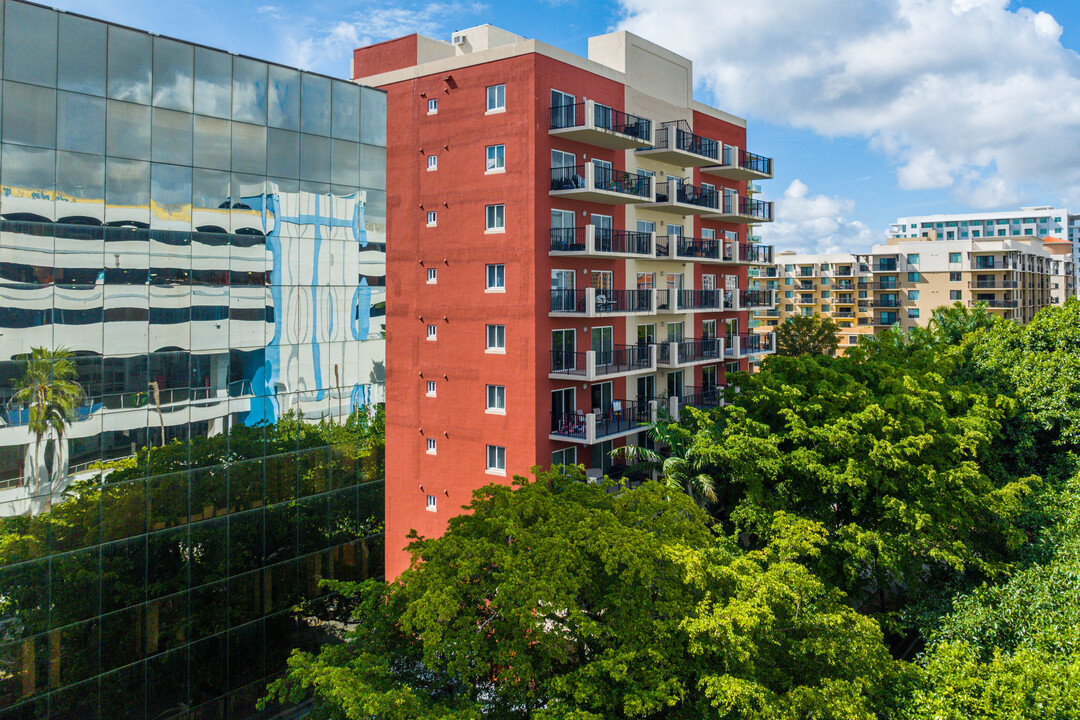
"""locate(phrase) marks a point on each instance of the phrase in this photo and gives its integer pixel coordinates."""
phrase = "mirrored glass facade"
(204, 235)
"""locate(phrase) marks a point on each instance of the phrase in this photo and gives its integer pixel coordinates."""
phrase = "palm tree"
(679, 466)
(50, 389)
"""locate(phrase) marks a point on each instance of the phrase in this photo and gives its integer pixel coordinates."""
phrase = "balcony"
(702, 398)
(596, 124)
(805, 286)
(842, 272)
(885, 265)
(761, 255)
(753, 299)
(740, 346)
(769, 271)
(697, 300)
(886, 320)
(593, 365)
(843, 300)
(737, 209)
(592, 241)
(682, 198)
(690, 351)
(806, 300)
(844, 285)
(993, 284)
(674, 143)
(843, 314)
(621, 419)
(591, 183)
(592, 302)
(886, 303)
(888, 285)
(738, 164)
(996, 304)
(697, 248)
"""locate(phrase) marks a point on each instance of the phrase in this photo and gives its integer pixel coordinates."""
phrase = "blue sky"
(872, 109)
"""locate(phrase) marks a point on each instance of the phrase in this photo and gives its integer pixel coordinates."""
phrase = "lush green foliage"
(559, 600)
(807, 335)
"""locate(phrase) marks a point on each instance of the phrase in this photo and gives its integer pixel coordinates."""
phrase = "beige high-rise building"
(835, 285)
(1063, 285)
(913, 276)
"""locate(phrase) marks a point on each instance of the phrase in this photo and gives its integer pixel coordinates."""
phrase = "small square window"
(496, 158)
(431, 388)
(852, 339)
(913, 295)
(432, 218)
(432, 162)
(496, 97)
(954, 257)
(913, 276)
(431, 332)
(913, 313)
(432, 106)
(954, 277)
(496, 459)
(913, 258)
(496, 277)
(431, 446)
(496, 398)
(495, 218)
(432, 276)
(496, 338)
(432, 503)
(954, 294)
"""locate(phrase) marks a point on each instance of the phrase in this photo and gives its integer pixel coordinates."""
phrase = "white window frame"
(432, 162)
(433, 106)
(432, 218)
(496, 460)
(495, 339)
(495, 400)
(559, 456)
(496, 98)
(432, 503)
(495, 273)
(432, 276)
(432, 332)
(495, 218)
(495, 159)
(430, 388)
(432, 447)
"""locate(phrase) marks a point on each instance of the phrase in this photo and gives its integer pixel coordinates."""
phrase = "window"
(824, 281)
(431, 503)
(496, 459)
(853, 339)
(913, 295)
(496, 158)
(567, 456)
(954, 294)
(432, 106)
(496, 218)
(496, 277)
(913, 258)
(913, 313)
(788, 307)
(496, 338)
(431, 446)
(431, 388)
(825, 294)
(913, 276)
(789, 294)
(496, 398)
(432, 218)
(432, 162)
(496, 97)
(954, 277)
(432, 276)
(431, 331)
(954, 257)
(824, 309)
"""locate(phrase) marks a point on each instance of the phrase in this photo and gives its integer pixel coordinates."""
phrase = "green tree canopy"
(558, 600)
(807, 335)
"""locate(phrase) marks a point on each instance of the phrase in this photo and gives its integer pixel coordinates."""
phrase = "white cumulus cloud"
(965, 95)
(807, 223)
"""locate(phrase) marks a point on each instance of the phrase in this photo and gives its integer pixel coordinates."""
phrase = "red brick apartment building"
(567, 254)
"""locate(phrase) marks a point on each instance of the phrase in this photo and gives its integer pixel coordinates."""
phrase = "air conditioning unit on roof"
(458, 39)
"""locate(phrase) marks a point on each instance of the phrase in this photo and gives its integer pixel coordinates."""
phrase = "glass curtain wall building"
(191, 260)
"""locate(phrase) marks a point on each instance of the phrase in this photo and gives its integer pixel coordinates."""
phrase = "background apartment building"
(834, 285)
(205, 232)
(570, 253)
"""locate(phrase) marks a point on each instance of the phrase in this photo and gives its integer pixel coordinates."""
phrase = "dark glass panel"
(168, 498)
(346, 117)
(129, 65)
(249, 91)
(81, 63)
(123, 574)
(208, 666)
(80, 123)
(315, 105)
(173, 74)
(29, 115)
(315, 158)
(127, 192)
(123, 509)
(212, 143)
(80, 192)
(75, 579)
(30, 45)
(127, 130)
(76, 702)
(170, 192)
(171, 138)
(373, 167)
(245, 597)
(213, 83)
(26, 591)
(209, 551)
(284, 102)
(249, 148)
(372, 116)
(283, 153)
(167, 623)
(346, 163)
(167, 566)
(167, 683)
(29, 178)
(123, 694)
(210, 205)
(122, 638)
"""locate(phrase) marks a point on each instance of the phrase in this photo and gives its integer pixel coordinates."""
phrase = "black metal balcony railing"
(885, 266)
(843, 314)
(749, 207)
(691, 350)
(993, 284)
(663, 246)
(569, 424)
(687, 194)
(620, 301)
(769, 272)
(604, 178)
(701, 397)
(842, 272)
(997, 303)
(760, 254)
(568, 301)
(705, 248)
(568, 239)
(573, 115)
(755, 163)
(805, 286)
(699, 300)
(604, 240)
(755, 298)
(668, 136)
(619, 359)
(756, 343)
(613, 420)
(885, 285)
(843, 285)
(887, 302)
